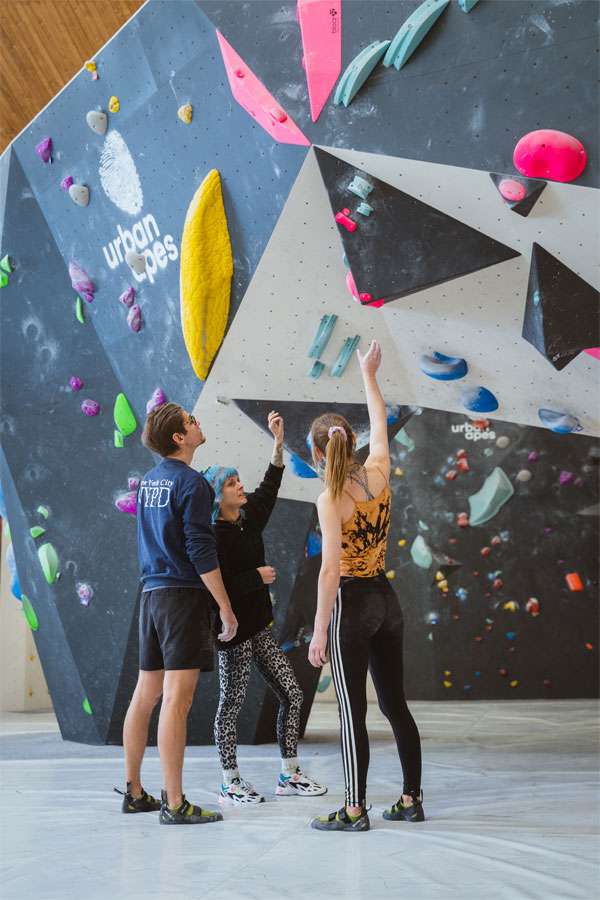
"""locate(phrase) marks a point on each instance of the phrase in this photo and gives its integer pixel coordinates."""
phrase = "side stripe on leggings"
(348, 742)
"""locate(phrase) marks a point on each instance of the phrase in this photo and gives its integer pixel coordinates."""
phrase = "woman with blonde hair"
(357, 607)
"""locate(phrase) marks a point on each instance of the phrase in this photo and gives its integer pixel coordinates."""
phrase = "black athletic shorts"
(176, 629)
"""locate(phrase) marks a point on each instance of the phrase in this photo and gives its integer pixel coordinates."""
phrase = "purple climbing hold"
(80, 280)
(87, 297)
(157, 399)
(66, 183)
(44, 150)
(127, 296)
(533, 456)
(133, 483)
(76, 383)
(90, 407)
(127, 502)
(565, 477)
(578, 482)
(134, 318)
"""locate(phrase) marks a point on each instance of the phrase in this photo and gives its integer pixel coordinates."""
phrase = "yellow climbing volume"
(206, 271)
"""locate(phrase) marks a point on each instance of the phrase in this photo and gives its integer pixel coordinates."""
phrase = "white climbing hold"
(79, 194)
(98, 121)
(136, 262)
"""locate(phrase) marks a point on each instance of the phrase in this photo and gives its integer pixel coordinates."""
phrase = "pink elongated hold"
(66, 183)
(134, 318)
(550, 154)
(80, 280)
(511, 190)
(157, 399)
(351, 285)
(375, 304)
(342, 219)
(76, 383)
(90, 407)
(44, 150)
(593, 351)
(127, 296)
(133, 482)
(126, 502)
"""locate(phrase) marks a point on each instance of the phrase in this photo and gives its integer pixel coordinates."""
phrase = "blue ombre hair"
(216, 477)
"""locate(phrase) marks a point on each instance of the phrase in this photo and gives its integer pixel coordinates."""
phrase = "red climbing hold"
(511, 190)
(461, 454)
(452, 540)
(574, 581)
(550, 154)
(463, 465)
(479, 640)
(502, 672)
(496, 540)
(489, 627)
(546, 682)
(451, 475)
(485, 551)
(590, 646)
(511, 649)
(498, 583)
(533, 606)
(456, 618)
(475, 574)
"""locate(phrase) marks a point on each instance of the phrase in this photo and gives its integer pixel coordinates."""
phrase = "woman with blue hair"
(239, 520)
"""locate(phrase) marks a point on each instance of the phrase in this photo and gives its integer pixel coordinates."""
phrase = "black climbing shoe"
(185, 814)
(401, 813)
(341, 821)
(132, 804)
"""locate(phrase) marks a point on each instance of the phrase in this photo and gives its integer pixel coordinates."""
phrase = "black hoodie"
(241, 551)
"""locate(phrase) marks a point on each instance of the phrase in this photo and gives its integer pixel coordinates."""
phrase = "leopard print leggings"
(234, 673)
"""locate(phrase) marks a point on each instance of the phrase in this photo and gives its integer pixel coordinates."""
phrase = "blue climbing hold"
(561, 423)
(510, 635)
(444, 368)
(479, 400)
(15, 587)
(299, 468)
(314, 543)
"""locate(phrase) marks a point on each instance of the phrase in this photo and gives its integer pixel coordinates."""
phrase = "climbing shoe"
(132, 804)
(185, 814)
(342, 821)
(401, 813)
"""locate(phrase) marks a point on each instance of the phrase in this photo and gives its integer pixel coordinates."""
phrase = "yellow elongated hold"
(206, 271)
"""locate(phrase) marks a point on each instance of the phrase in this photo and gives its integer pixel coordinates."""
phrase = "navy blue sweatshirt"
(176, 540)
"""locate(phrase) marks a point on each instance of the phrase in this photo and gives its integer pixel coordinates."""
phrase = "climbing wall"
(439, 257)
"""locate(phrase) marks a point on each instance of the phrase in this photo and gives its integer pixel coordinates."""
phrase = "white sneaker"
(299, 784)
(239, 793)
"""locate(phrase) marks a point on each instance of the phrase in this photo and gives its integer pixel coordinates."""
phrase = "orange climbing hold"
(574, 581)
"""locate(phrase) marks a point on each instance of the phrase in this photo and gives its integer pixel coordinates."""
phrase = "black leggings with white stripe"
(366, 632)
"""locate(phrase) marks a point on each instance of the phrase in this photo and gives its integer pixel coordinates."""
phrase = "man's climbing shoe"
(185, 814)
(132, 804)
(401, 813)
(342, 821)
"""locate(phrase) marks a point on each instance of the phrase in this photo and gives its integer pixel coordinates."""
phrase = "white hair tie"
(335, 428)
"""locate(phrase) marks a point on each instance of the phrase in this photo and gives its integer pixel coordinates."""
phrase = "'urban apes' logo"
(155, 493)
(479, 431)
(144, 237)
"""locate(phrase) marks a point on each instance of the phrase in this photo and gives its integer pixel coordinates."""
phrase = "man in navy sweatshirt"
(179, 573)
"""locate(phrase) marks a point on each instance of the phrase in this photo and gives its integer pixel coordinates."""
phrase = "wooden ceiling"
(43, 44)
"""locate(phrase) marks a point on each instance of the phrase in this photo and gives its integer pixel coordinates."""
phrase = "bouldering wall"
(438, 255)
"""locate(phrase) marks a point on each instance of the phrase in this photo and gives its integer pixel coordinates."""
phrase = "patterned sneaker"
(132, 804)
(185, 814)
(401, 813)
(239, 793)
(299, 785)
(342, 821)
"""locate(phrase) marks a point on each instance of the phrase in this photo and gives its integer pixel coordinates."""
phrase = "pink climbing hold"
(134, 318)
(511, 190)
(66, 183)
(321, 30)
(462, 520)
(133, 482)
(44, 150)
(127, 502)
(593, 351)
(80, 280)
(550, 154)
(366, 298)
(565, 477)
(127, 296)
(90, 407)
(342, 219)
(157, 399)
(87, 297)
(76, 383)
(376, 304)
(351, 285)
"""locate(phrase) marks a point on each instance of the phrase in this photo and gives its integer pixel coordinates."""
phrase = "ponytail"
(332, 435)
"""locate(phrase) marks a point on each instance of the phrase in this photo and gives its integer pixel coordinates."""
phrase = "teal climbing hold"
(406, 441)
(316, 369)
(365, 209)
(358, 71)
(413, 31)
(493, 494)
(49, 562)
(324, 683)
(118, 438)
(124, 417)
(361, 187)
(420, 553)
(6, 264)
(29, 613)
(36, 531)
(43, 511)
(87, 707)
(467, 5)
(350, 345)
(322, 336)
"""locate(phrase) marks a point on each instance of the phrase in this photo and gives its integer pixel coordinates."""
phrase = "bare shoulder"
(381, 462)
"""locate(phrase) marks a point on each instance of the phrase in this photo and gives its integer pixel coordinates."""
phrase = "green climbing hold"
(420, 553)
(493, 494)
(3, 279)
(124, 417)
(79, 310)
(87, 707)
(29, 613)
(6, 264)
(43, 511)
(36, 531)
(49, 562)
(118, 438)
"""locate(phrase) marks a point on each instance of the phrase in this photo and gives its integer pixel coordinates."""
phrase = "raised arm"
(329, 576)
(379, 448)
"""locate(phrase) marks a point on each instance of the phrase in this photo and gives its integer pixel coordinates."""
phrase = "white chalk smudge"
(118, 175)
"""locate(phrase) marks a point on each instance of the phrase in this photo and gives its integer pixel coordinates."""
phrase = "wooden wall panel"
(43, 44)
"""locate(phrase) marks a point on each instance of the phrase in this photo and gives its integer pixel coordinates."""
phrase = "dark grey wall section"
(475, 85)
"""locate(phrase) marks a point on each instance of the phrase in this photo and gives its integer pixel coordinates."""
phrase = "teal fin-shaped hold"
(6, 264)
(413, 31)
(350, 345)
(36, 531)
(49, 562)
(420, 553)
(406, 441)
(494, 493)
(124, 417)
(322, 336)
(358, 71)
(467, 5)
(316, 369)
(29, 613)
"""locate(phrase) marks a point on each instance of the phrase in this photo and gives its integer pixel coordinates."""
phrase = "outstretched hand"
(275, 425)
(370, 362)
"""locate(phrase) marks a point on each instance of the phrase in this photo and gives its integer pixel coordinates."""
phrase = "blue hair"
(216, 477)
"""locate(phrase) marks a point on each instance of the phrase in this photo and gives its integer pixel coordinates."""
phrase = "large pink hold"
(90, 407)
(157, 399)
(550, 154)
(127, 502)
(134, 318)
(80, 280)
(44, 150)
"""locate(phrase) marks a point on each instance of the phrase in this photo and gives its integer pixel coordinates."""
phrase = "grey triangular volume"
(404, 245)
(562, 315)
(533, 190)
